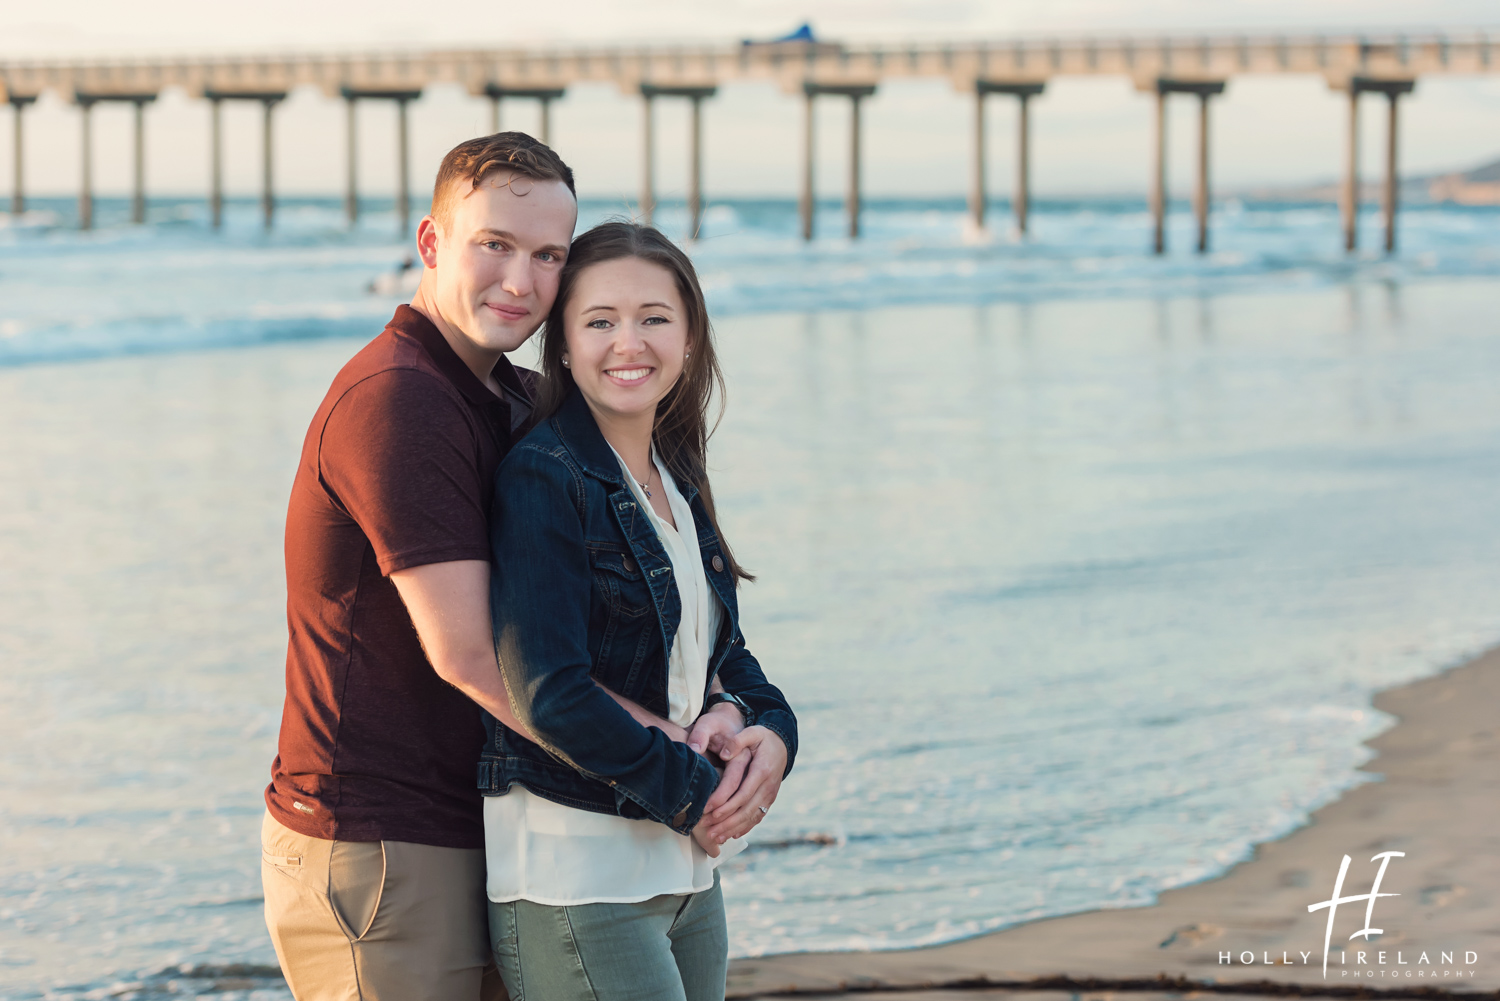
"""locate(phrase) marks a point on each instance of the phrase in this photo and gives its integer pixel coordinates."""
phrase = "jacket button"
(629, 568)
(718, 564)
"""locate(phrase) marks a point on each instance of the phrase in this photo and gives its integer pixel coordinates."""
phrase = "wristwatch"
(733, 700)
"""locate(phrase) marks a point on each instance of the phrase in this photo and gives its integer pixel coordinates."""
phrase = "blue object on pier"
(802, 34)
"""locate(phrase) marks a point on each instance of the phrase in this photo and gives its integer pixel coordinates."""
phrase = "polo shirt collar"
(414, 324)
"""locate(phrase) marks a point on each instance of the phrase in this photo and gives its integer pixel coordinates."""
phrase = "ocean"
(1080, 566)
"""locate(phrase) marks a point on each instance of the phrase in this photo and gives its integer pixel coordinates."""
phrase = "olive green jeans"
(668, 948)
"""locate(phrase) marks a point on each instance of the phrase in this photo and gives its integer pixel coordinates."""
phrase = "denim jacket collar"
(580, 433)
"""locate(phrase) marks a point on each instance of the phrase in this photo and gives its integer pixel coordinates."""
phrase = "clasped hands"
(751, 761)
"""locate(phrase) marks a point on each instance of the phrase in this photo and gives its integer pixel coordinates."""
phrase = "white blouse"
(548, 853)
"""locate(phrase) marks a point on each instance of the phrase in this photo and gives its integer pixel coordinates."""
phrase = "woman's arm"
(742, 677)
(540, 600)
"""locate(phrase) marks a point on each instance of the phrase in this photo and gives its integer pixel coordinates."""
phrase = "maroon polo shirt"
(397, 471)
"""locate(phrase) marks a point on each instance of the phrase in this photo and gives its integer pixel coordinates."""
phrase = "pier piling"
(695, 95)
(1349, 196)
(351, 154)
(1159, 176)
(1020, 206)
(216, 162)
(86, 178)
(402, 96)
(138, 193)
(1201, 189)
(18, 104)
(544, 96)
(648, 155)
(978, 195)
(1204, 89)
(854, 147)
(268, 159)
(403, 169)
(695, 167)
(1391, 192)
(855, 93)
(268, 100)
(86, 101)
(806, 207)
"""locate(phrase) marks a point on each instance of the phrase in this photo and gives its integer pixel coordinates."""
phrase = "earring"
(686, 355)
(565, 362)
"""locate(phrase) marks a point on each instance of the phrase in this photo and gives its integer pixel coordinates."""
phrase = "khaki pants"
(377, 921)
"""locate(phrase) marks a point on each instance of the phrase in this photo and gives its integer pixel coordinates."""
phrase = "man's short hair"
(469, 163)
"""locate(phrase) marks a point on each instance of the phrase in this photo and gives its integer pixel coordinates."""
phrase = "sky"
(1090, 135)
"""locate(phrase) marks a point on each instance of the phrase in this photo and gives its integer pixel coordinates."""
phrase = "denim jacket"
(583, 592)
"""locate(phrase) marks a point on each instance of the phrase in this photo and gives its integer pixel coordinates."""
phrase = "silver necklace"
(647, 485)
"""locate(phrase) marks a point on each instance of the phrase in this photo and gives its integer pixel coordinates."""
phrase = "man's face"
(497, 259)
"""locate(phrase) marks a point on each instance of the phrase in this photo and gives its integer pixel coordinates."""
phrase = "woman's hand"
(713, 730)
(761, 756)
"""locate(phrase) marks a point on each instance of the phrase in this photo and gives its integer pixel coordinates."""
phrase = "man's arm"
(647, 718)
(449, 604)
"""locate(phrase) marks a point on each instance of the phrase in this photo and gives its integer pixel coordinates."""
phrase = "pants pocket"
(289, 854)
(356, 879)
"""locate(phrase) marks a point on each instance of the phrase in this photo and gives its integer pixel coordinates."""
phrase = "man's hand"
(705, 842)
(761, 781)
(649, 719)
(712, 731)
(730, 777)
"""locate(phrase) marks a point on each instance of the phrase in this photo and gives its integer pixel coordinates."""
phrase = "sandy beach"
(1438, 801)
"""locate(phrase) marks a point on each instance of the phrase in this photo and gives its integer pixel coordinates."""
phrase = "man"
(373, 860)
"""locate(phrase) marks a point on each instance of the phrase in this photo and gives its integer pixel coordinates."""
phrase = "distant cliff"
(1480, 186)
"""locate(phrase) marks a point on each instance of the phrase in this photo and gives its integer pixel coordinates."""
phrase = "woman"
(618, 636)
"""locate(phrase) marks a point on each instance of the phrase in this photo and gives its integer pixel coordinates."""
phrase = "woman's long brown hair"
(683, 425)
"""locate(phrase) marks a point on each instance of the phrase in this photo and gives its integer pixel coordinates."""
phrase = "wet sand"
(1439, 802)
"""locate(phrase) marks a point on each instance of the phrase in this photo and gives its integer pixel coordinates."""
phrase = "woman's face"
(626, 335)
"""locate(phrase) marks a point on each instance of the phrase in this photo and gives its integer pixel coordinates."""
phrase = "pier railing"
(1199, 65)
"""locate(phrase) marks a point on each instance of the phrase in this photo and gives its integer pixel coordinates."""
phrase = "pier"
(1200, 66)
